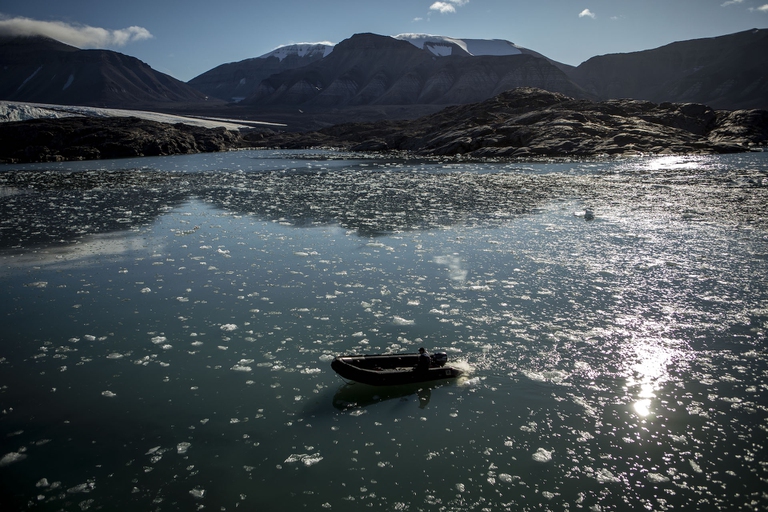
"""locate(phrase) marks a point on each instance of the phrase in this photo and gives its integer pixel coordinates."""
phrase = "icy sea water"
(168, 326)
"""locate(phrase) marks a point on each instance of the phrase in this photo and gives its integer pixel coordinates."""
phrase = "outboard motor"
(439, 359)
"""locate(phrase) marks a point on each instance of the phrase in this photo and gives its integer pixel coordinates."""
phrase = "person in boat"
(424, 362)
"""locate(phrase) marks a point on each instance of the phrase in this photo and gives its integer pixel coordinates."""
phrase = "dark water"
(168, 326)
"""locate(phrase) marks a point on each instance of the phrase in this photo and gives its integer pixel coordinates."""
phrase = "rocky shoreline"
(526, 123)
(90, 138)
(520, 124)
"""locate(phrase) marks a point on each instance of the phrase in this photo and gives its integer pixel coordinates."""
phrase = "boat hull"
(389, 369)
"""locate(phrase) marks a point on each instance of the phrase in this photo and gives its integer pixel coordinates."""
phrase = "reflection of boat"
(392, 369)
(355, 396)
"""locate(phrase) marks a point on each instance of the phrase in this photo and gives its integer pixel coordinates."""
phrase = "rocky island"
(520, 123)
(528, 122)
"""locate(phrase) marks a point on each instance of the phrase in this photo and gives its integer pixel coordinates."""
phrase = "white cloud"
(762, 8)
(586, 13)
(731, 2)
(448, 6)
(81, 36)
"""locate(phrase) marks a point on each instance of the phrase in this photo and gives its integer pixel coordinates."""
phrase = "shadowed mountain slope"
(38, 69)
(368, 69)
(727, 72)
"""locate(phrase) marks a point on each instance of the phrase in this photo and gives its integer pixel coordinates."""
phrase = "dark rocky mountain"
(526, 122)
(727, 72)
(41, 70)
(236, 81)
(369, 69)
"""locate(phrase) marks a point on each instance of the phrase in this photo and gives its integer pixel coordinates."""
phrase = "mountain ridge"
(43, 70)
(728, 72)
(377, 73)
(374, 69)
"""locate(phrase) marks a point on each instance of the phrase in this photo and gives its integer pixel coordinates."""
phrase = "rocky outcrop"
(530, 122)
(85, 138)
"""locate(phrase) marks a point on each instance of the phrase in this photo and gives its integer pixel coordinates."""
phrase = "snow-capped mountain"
(300, 50)
(238, 80)
(370, 69)
(443, 46)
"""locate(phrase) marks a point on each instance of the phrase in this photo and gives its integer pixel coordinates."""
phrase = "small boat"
(393, 369)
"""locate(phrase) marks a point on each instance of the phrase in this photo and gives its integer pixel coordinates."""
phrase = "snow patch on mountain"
(443, 46)
(301, 50)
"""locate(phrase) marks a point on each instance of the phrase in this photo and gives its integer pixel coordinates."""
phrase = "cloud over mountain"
(81, 36)
(448, 6)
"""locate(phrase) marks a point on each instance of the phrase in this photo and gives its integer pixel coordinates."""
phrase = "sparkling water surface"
(168, 327)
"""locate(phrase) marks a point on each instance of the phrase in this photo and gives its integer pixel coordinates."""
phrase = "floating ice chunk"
(89, 337)
(108, 394)
(398, 320)
(542, 455)
(306, 459)
(115, 355)
(473, 382)
(656, 478)
(146, 290)
(605, 477)
(10, 458)
(507, 478)
(182, 448)
(157, 340)
(198, 492)
(554, 376)
(43, 482)
(241, 368)
(86, 487)
(38, 284)
(228, 327)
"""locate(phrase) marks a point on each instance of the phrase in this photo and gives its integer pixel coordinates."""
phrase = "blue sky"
(186, 38)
